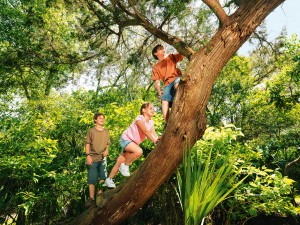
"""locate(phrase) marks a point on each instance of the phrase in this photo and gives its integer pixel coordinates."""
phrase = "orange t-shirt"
(166, 69)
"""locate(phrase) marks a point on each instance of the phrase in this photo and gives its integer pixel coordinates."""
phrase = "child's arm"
(152, 130)
(177, 57)
(151, 136)
(105, 153)
(89, 160)
(157, 87)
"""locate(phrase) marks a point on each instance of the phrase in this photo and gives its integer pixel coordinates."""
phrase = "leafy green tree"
(230, 93)
(167, 21)
(273, 107)
(37, 50)
(42, 143)
(38, 169)
(261, 99)
(188, 121)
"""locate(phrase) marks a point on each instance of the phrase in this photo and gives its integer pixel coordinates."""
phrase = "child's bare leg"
(92, 191)
(133, 152)
(100, 191)
(115, 169)
(176, 85)
(165, 109)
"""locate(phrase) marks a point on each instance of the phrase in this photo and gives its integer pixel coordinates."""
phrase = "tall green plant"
(205, 182)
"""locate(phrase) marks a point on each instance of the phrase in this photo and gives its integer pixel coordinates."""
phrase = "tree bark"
(187, 121)
(291, 169)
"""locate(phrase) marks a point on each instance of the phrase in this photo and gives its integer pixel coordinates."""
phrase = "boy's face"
(100, 120)
(160, 53)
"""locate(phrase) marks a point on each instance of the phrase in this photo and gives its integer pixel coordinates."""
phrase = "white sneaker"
(124, 169)
(109, 183)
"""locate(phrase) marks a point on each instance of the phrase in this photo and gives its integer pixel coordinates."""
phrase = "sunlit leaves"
(38, 47)
(230, 91)
(205, 182)
(268, 192)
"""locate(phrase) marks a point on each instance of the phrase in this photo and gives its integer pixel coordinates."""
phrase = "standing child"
(165, 69)
(141, 128)
(96, 150)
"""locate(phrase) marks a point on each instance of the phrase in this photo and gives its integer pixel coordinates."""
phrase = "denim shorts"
(96, 172)
(124, 143)
(169, 91)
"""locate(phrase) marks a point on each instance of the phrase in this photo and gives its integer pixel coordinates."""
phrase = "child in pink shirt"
(140, 129)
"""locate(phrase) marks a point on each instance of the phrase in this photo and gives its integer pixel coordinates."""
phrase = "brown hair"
(154, 50)
(97, 115)
(144, 106)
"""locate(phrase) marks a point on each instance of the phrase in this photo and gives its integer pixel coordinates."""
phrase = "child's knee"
(139, 152)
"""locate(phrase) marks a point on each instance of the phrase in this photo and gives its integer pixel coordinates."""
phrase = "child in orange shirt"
(165, 70)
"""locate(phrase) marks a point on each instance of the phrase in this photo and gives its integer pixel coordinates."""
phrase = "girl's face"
(149, 110)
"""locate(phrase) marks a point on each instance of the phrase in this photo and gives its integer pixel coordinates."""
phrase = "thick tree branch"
(216, 7)
(176, 42)
(164, 21)
(127, 23)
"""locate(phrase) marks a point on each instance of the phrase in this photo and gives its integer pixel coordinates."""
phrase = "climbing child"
(141, 128)
(165, 70)
(96, 150)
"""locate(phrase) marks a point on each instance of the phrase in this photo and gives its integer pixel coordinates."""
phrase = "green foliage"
(37, 49)
(219, 173)
(232, 88)
(267, 192)
(42, 160)
(41, 173)
(284, 89)
(261, 96)
(206, 180)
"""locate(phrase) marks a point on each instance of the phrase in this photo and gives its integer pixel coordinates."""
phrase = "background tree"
(38, 51)
(188, 121)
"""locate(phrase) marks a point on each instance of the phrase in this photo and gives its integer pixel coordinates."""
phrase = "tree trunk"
(292, 169)
(187, 121)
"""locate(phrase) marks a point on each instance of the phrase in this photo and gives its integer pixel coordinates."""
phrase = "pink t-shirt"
(135, 134)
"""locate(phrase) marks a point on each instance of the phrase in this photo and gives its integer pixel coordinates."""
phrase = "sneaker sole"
(125, 175)
(105, 185)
